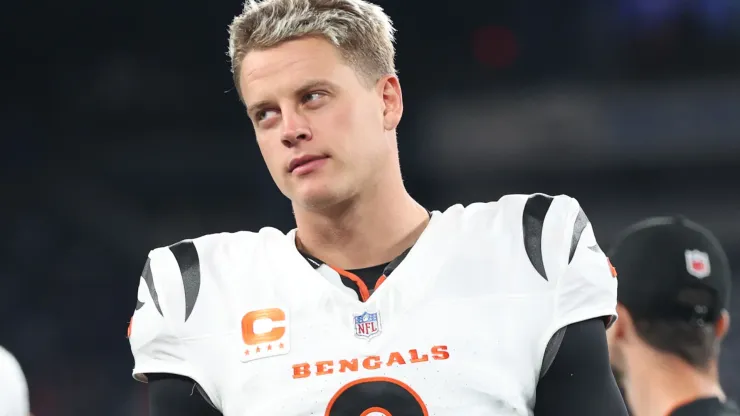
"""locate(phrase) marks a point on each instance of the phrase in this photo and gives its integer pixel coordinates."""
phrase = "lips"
(299, 161)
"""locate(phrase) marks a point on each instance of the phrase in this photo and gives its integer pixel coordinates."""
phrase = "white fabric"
(463, 321)
(13, 387)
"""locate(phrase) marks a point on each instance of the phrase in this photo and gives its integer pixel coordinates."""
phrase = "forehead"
(289, 64)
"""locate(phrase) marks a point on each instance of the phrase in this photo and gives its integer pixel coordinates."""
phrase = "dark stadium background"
(122, 132)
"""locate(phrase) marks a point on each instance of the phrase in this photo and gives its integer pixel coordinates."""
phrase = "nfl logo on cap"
(367, 325)
(697, 263)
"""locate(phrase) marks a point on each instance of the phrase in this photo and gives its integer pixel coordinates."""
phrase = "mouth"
(300, 163)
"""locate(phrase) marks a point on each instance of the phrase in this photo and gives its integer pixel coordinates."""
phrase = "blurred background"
(122, 132)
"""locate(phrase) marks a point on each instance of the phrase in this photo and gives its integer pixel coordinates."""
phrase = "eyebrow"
(307, 87)
(314, 85)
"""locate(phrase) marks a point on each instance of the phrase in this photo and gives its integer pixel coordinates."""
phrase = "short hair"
(361, 31)
(695, 343)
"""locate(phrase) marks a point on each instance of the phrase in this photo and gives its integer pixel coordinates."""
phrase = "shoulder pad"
(558, 215)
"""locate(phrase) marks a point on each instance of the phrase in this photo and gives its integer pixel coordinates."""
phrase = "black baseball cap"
(671, 268)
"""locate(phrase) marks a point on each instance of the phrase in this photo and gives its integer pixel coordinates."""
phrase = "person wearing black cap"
(673, 297)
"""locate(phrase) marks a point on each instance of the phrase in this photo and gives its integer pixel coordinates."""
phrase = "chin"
(313, 197)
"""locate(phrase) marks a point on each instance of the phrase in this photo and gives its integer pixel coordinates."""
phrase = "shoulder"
(538, 232)
(188, 295)
(186, 286)
(535, 206)
(187, 259)
(216, 246)
(528, 214)
(550, 233)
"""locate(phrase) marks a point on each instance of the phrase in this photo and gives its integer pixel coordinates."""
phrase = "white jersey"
(460, 328)
(13, 387)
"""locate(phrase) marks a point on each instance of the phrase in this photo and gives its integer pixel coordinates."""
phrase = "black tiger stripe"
(139, 304)
(535, 210)
(394, 264)
(551, 351)
(146, 274)
(578, 227)
(189, 262)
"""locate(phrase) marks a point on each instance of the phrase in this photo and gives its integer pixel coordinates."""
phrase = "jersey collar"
(387, 270)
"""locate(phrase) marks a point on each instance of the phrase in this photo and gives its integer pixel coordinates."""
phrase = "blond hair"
(361, 31)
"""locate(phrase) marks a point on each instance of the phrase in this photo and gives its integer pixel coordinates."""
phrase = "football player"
(673, 297)
(372, 305)
(13, 387)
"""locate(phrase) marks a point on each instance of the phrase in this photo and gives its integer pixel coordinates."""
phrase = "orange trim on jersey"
(401, 384)
(611, 268)
(380, 410)
(380, 281)
(364, 291)
(128, 331)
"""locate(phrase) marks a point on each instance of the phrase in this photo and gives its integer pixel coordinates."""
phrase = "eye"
(312, 96)
(263, 115)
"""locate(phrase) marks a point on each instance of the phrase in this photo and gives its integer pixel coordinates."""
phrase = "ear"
(390, 92)
(621, 329)
(723, 325)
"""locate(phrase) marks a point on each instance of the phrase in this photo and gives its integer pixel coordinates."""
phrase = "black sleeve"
(172, 395)
(579, 382)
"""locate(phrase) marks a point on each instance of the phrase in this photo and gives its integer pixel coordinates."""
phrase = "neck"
(658, 383)
(372, 228)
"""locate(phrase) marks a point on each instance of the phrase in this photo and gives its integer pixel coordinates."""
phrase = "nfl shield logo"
(697, 263)
(367, 325)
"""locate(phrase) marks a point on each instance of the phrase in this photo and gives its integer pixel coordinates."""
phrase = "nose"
(295, 129)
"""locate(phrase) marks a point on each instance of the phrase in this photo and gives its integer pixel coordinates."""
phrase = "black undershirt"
(371, 275)
(579, 382)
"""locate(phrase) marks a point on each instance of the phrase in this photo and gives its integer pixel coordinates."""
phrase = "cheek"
(341, 121)
(334, 130)
(353, 121)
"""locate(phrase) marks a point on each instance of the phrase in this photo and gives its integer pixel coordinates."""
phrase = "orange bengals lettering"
(373, 362)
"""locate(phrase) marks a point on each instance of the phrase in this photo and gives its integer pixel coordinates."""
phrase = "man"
(673, 297)
(13, 387)
(372, 305)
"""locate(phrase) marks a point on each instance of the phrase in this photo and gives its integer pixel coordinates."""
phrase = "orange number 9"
(383, 395)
